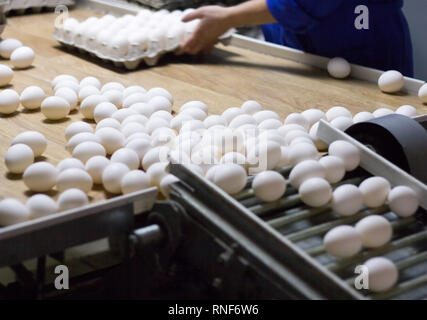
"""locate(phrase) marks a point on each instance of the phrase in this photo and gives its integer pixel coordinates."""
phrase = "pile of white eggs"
(130, 36)
(19, 55)
(390, 81)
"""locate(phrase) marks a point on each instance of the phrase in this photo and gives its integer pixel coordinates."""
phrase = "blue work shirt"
(327, 28)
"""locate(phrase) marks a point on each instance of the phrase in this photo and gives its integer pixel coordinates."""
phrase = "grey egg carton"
(21, 6)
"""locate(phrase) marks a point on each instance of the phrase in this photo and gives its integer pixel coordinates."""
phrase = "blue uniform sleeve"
(301, 15)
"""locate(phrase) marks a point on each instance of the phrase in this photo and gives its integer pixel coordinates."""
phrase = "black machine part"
(400, 139)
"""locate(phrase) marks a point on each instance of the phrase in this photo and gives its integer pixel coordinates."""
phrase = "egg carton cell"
(21, 6)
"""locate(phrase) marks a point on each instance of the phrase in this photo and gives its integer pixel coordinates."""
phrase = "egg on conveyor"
(334, 166)
(391, 81)
(122, 114)
(422, 93)
(153, 92)
(315, 192)
(375, 231)
(62, 78)
(108, 123)
(157, 154)
(40, 176)
(69, 163)
(339, 68)
(313, 115)
(115, 97)
(112, 86)
(156, 172)
(87, 91)
(381, 112)
(264, 156)
(347, 152)
(6, 75)
(77, 127)
(297, 118)
(135, 180)
(104, 110)
(336, 112)
(320, 145)
(69, 95)
(74, 178)
(347, 200)
(32, 97)
(55, 108)
(403, 201)
(34, 139)
(342, 241)
(22, 57)
(382, 274)
(90, 81)
(12, 211)
(302, 151)
(407, 110)
(375, 191)
(269, 186)
(68, 84)
(112, 139)
(80, 138)
(133, 89)
(18, 157)
(86, 150)
(72, 198)
(87, 106)
(250, 107)
(305, 170)
(41, 205)
(230, 177)
(362, 116)
(95, 167)
(342, 123)
(7, 46)
(112, 177)
(162, 103)
(165, 184)
(126, 156)
(9, 101)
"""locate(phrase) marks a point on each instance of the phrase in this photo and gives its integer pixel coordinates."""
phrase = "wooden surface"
(226, 78)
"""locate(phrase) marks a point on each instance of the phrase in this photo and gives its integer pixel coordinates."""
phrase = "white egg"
(192, 125)
(339, 68)
(375, 191)
(422, 93)
(391, 81)
(342, 241)
(112, 86)
(9, 101)
(381, 112)
(41, 205)
(133, 89)
(195, 113)
(342, 123)
(135, 98)
(153, 92)
(74, 178)
(194, 104)
(95, 167)
(347, 200)
(297, 118)
(88, 105)
(69, 163)
(156, 172)
(336, 112)
(382, 272)
(40, 176)
(104, 110)
(34, 139)
(290, 136)
(71, 199)
(407, 110)
(108, 123)
(142, 108)
(233, 157)
(161, 103)
(88, 149)
(210, 173)
(238, 121)
(313, 116)
(80, 138)
(90, 81)
(18, 157)
(12, 211)
(55, 108)
(115, 97)
(63, 77)
(126, 156)
(165, 184)
(305, 170)
(111, 139)
(134, 180)
(334, 166)
(163, 136)
(161, 114)
(285, 129)
(268, 124)
(68, 84)
(302, 151)
(121, 114)
(315, 192)
(320, 145)
(77, 127)
(138, 118)
(403, 201)
(113, 175)
(347, 152)
(177, 122)
(6, 75)
(132, 128)
(265, 156)
(284, 157)
(374, 230)
(22, 57)
(269, 186)
(362, 116)
(87, 91)
(230, 177)
(138, 135)
(251, 106)
(32, 97)
(271, 134)
(7, 46)
(69, 95)
(157, 154)
(229, 114)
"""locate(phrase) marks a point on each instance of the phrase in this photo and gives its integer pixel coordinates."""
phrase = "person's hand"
(214, 21)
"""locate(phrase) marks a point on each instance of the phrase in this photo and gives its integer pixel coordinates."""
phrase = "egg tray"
(21, 6)
(284, 239)
(132, 60)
